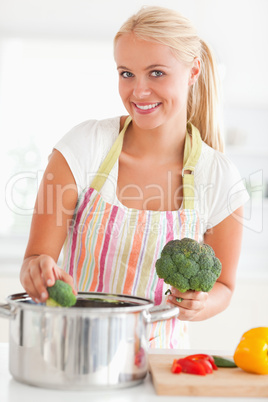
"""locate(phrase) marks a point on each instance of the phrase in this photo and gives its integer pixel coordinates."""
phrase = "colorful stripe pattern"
(113, 249)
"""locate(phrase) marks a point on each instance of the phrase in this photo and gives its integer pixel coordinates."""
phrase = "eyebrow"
(147, 68)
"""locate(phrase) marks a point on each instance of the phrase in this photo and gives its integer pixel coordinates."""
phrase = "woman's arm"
(54, 207)
(225, 239)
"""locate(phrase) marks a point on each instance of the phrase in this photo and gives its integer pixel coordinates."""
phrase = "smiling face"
(153, 83)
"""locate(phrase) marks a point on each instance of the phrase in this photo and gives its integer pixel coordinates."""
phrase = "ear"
(195, 71)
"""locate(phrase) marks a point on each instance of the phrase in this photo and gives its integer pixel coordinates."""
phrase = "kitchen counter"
(13, 391)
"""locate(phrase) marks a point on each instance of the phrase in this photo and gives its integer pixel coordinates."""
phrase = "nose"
(141, 88)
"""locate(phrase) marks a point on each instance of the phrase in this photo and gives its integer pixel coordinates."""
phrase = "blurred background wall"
(57, 69)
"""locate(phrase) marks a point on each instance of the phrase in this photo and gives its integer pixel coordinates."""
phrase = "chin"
(146, 122)
(146, 125)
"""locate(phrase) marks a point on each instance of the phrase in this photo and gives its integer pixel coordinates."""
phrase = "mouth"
(148, 107)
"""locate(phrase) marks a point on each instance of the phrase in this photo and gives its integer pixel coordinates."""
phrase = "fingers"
(37, 282)
(48, 267)
(29, 286)
(190, 303)
(35, 273)
(38, 273)
(68, 279)
(190, 294)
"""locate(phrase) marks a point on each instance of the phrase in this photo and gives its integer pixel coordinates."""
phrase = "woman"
(116, 200)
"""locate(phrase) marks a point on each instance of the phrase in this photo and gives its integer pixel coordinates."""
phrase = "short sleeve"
(85, 146)
(222, 189)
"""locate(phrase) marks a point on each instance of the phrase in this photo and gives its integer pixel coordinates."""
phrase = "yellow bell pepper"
(251, 353)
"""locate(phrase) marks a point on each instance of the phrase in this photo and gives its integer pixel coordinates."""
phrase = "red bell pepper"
(191, 366)
(200, 364)
(206, 364)
(203, 356)
(176, 367)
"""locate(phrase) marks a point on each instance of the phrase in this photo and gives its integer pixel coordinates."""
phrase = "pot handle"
(161, 313)
(5, 310)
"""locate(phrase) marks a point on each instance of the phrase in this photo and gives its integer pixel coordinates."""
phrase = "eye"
(126, 74)
(157, 73)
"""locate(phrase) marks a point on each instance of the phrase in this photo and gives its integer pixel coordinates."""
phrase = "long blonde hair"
(170, 28)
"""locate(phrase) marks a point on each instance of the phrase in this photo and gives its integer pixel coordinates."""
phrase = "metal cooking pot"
(101, 342)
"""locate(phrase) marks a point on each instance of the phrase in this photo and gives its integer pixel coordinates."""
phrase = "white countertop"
(13, 391)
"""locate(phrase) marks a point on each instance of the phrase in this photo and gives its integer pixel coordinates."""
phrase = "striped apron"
(112, 248)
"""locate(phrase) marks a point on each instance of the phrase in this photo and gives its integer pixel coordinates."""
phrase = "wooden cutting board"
(222, 382)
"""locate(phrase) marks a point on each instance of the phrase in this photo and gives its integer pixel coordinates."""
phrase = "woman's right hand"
(38, 273)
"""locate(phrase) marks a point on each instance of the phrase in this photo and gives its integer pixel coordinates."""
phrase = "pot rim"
(24, 301)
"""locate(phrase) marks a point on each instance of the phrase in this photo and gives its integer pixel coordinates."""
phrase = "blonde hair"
(170, 28)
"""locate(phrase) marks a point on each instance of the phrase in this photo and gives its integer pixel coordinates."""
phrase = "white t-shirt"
(219, 189)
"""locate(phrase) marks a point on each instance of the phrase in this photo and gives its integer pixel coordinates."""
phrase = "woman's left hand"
(190, 303)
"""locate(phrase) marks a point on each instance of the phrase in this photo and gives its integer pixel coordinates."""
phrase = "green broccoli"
(60, 295)
(188, 265)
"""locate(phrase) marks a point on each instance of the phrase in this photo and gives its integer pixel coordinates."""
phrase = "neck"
(164, 143)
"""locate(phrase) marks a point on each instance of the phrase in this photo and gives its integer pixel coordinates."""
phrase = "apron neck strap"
(108, 163)
(192, 152)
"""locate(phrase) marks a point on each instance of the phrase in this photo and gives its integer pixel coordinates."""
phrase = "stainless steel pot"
(101, 342)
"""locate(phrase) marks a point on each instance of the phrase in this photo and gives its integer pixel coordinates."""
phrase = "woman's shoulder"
(91, 137)
(92, 127)
(220, 187)
(85, 146)
(213, 162)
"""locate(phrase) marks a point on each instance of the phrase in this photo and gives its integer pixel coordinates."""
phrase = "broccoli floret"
(179, 278)
(60, 294)
(205, 261)
(216, 268)
(206, 249)
(165, 267)
(188, 265)
(52, 303)
(203, 281)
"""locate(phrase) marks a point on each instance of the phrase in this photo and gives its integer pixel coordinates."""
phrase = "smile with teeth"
(146, 107)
